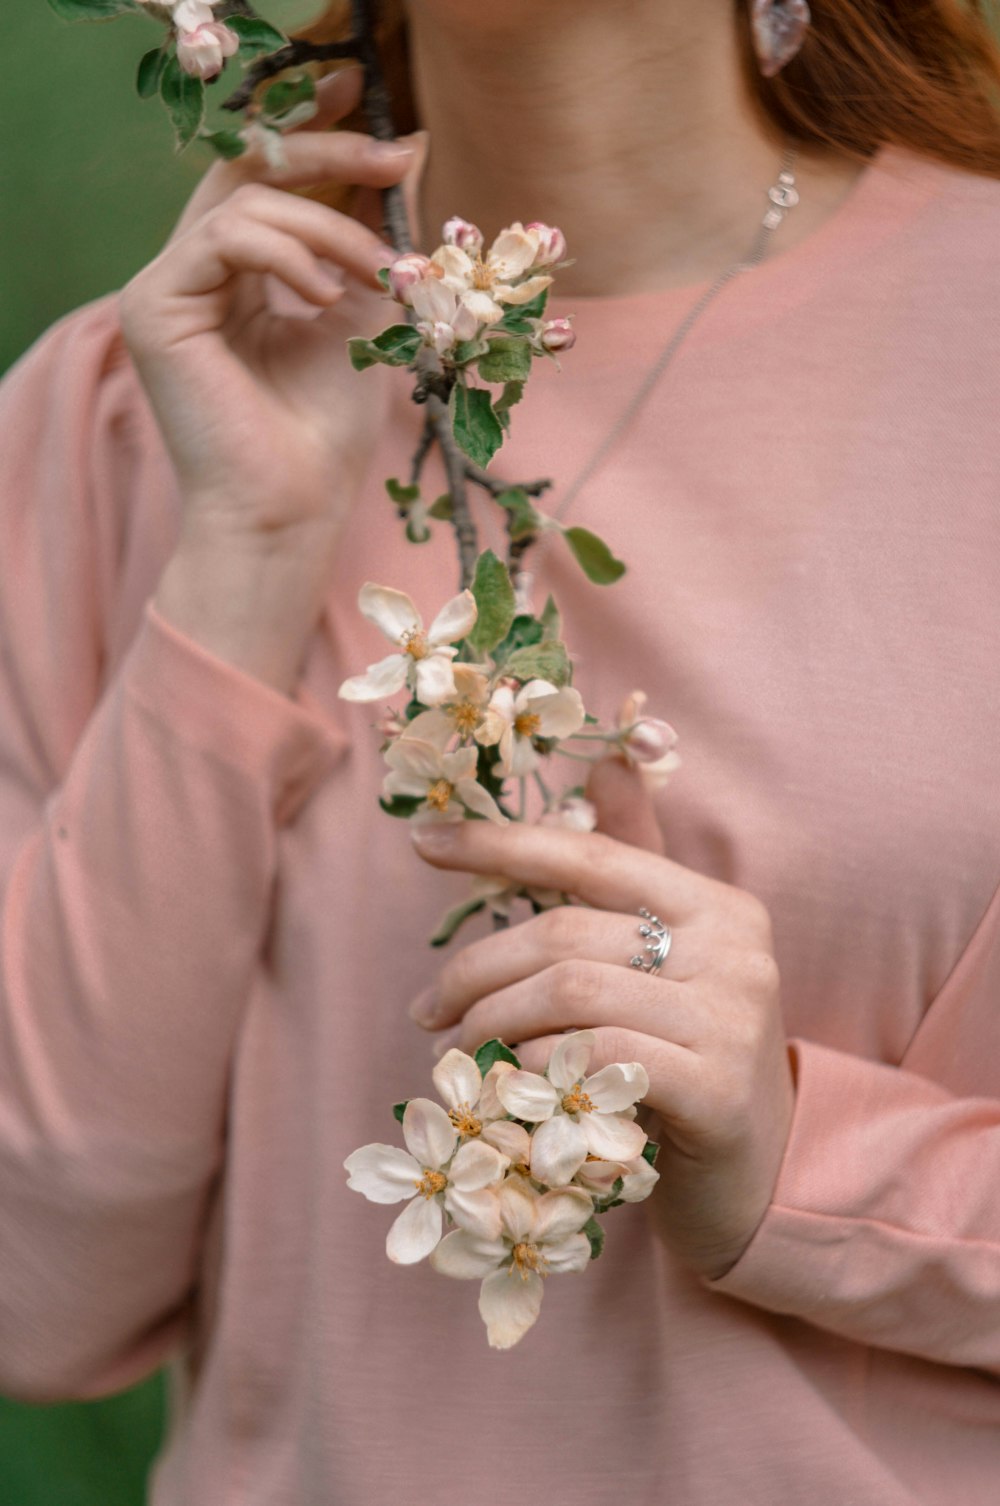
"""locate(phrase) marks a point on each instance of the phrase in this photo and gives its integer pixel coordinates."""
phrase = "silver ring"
(658, 939)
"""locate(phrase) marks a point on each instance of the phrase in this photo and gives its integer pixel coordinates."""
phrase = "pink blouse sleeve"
(884, 1226)
(138, 832)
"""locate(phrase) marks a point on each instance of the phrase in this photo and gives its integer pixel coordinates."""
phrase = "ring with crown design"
(658, 938)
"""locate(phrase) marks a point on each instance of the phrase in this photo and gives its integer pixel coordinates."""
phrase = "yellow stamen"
(439, 795)
(576, 1101)
(482, 275)
(414, 643)
(466, 717)
(465, 1121)
(527, 1258)
(527, 724)
(431, 1183)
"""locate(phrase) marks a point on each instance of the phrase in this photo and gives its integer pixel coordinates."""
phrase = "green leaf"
(401, 805)
(595, 1234)
(256, 37)
(184, 98)
(287, 95)
(383, 276)
(650, 1151)
(91, 10)
(400, 494)
(612, 1200)
(494, 1051)
(443, 508)
(511, 394)
(594, 556)
(516, 318)
(551, 621)
(476, 427)
(506, 360)
(466, 351)
(524, 520)
(547, 660)
(495, 603)
(147, 79)
(454, 919)
(524, 630)
(395, 346)
(399, 1109)
(227, 144)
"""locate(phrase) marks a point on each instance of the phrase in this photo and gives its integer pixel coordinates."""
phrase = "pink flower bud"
(648, 740)
(573, 813)
(203, 51)
(551, 244)
(390, 725)
(460, 233)
(404, 273)
(557, 334)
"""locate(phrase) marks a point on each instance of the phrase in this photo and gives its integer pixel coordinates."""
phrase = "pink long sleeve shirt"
(210, 932)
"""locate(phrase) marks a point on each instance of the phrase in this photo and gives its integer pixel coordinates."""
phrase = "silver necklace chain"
(782, 196)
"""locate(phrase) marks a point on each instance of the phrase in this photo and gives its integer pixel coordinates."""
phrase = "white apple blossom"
(456, 718)
(538, 709)
(638, 1178)
(445, 316)
(487, 284)
(203, 51)
(576, 1116)
(540, 1236)
(444, 782)
(188, 15)
(433, 1177)
(423, 658)
(473, 1106)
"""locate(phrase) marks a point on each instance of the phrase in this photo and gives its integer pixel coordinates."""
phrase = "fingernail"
(425, 1007)
(392, 151)
(384, 256)
(431, 838)
(445, 1042)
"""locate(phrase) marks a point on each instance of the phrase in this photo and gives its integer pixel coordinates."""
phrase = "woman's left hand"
(707, 1027)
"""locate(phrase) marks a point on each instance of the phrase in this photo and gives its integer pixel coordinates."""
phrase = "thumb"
(625, 810)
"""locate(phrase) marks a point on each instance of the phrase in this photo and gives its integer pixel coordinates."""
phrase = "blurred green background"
(89, 190)
(89, 184)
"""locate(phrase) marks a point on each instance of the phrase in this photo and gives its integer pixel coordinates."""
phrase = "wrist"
(250, 598)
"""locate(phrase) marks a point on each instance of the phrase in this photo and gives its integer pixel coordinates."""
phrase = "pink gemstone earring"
(779, 28)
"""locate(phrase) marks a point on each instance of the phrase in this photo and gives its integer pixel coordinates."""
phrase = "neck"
(628, 126)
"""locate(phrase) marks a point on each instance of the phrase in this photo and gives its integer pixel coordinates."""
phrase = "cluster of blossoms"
(504, 1183)
(472, 724)
(203, 43)
(458, 292)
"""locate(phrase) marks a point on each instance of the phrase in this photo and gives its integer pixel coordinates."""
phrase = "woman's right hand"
(267, 424)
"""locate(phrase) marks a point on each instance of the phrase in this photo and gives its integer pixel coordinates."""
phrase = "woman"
(211, 935)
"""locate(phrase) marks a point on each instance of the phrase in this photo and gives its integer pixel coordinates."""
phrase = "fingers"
(595, 868)
(567, 934)
(260, 230)
(624, 807)
(311, 157)
(580, 995)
